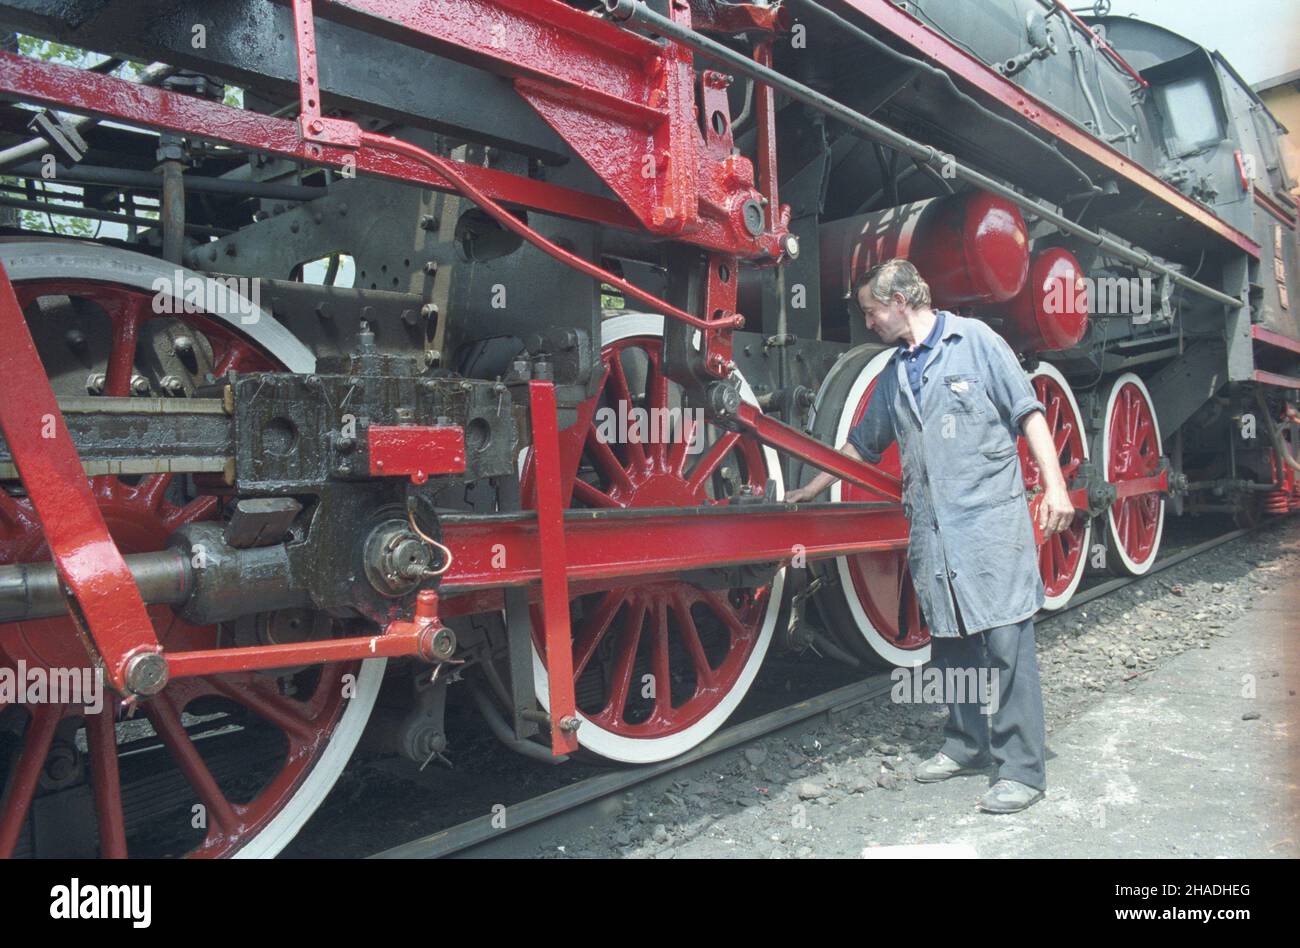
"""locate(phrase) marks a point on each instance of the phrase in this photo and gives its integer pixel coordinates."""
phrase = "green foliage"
(51, 52)
(48, 51)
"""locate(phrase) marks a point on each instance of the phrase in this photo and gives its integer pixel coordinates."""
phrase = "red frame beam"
(1271, 337)
(554, 564)
(567, 552)
(1274, 209)
(77, 90)
(1273, 378)
(618, 545)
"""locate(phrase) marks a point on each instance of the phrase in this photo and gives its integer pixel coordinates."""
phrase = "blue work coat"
(963, 492)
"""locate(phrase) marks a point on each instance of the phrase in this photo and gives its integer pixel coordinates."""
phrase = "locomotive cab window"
(1192, 118)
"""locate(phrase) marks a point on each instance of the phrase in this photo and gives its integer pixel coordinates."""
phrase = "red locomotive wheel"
(866, 593)
(215, 766)
(1130, 447)
(862, 595)
(660, 664)
(1063, 557)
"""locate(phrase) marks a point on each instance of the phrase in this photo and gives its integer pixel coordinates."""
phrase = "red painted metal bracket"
(557, 634)
(416, 452)
(314, 125)
(104, 600)
(1242, 178)
(624, 103)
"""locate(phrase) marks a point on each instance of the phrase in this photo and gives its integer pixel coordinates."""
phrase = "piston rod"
(34, 590)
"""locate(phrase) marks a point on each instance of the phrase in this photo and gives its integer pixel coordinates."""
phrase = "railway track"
(466, 837)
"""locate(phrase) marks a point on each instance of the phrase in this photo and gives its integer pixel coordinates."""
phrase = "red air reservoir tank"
(971, 248)
(1052, 311)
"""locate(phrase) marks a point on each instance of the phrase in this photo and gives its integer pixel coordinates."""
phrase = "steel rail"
(552, 804)
(636, 11)
(547, 806)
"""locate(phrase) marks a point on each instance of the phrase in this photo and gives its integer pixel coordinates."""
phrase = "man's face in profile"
(886, 319)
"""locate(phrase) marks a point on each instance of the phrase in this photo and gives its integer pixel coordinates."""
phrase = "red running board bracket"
(555, 583)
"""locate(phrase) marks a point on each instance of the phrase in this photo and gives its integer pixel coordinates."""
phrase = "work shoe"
(1008, 796)
(941, 767)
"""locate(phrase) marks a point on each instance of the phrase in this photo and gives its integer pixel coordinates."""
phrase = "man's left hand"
(1055, 513)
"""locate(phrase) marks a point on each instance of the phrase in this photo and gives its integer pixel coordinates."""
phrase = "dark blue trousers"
(1014, 736)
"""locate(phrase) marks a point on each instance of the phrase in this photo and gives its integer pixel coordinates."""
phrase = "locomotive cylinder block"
(971, 248)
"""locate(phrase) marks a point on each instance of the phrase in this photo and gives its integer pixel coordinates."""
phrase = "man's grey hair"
(893, 276)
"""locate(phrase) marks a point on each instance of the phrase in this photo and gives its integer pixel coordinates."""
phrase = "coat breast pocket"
(964, 394)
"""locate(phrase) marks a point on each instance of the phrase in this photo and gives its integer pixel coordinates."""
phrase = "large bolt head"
(724, 399)
(437, 645)
(60, 763)
(410, 558)
(146, 674)
(395, 559)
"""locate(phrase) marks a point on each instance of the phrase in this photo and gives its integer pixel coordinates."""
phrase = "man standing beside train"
(955, 397)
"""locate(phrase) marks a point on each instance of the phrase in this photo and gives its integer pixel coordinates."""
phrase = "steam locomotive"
(310, 433)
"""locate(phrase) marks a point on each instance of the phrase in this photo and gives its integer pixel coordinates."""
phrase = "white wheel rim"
(284, 826)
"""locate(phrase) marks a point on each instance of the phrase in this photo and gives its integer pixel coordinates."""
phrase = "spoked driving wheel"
(1062, 557)
(1129, 446)
(212, 766)
(867, 601)
(659, 664)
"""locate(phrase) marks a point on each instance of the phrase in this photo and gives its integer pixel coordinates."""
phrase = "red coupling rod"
(422, 635)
